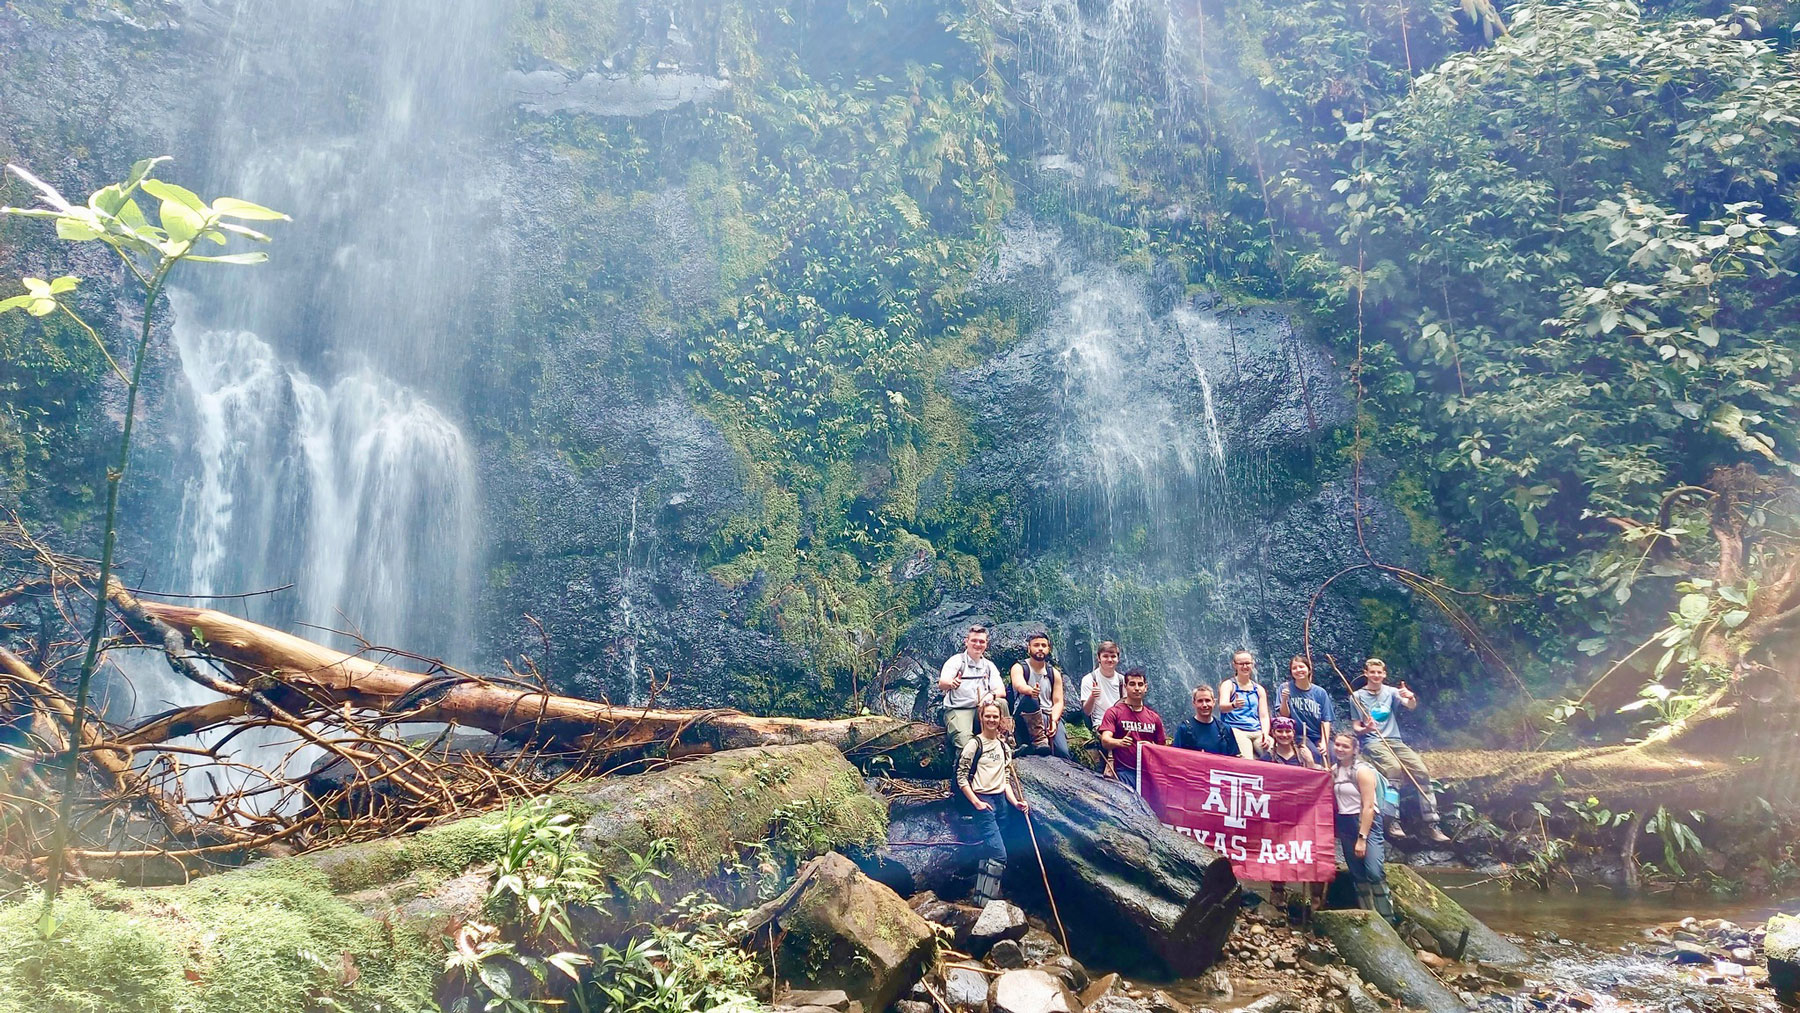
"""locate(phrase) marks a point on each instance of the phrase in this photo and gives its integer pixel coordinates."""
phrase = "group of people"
(1296, 726)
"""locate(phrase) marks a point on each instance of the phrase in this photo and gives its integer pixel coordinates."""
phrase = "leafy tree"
(1572, 249)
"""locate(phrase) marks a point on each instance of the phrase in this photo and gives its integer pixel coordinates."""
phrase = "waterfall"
(318, 450)
(1125, 439)
(1085, 75)
(359, 493)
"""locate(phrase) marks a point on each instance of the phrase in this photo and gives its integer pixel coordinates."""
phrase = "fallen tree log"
(1459, 934)
(267, 659)
(1136, 887)
(363, 926)
(1501, 782)
(1371, 945)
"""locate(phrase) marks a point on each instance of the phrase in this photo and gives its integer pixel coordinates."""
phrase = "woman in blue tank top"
(1243, 705)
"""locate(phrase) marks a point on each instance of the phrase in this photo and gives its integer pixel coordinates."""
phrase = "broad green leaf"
(256, 257)
(142, 169)
(16, 302)
(1734, 618)
(75, 230)
(1530, 522)
(231, 207)
(1693, 607)
(170, 193)
(239, 230)
(108, 199)
(181, 222)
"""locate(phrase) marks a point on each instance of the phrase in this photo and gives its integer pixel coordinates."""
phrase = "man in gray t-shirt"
(1377, 705)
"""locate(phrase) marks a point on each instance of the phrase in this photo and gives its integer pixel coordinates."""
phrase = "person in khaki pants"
(1378, 724)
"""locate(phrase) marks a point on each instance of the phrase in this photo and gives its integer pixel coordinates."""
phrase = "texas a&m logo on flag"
(1273, 822)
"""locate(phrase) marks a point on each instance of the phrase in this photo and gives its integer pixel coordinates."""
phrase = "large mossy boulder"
(840, 929)
(1446, 921)
(1781, 948)
(359, 928)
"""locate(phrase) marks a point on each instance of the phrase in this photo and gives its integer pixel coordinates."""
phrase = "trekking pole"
(1354, 702)
(1019, 786)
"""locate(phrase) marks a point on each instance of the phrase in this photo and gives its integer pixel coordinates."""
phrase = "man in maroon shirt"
(1127, 723)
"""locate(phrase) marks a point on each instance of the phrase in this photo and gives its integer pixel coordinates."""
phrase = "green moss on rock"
(252, 941)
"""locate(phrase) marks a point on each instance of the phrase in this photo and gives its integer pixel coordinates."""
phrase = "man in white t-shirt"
(1102, 687)
(966, 680)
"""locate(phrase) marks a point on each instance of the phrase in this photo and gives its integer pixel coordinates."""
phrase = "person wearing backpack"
(967, 679)
(1378, 723)
(981, 777)
(1037, 686)
(1359, 804)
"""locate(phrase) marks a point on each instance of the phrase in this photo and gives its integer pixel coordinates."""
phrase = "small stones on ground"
(1032, 991)
(1006, 954)
(1070, 971)
(1689, 953)
(913, 1006)
(831, 998)
(1115, 1004)
(1039, 946)
(965, 989)
(998, 920)
(1100, 986)
(1274, 1002)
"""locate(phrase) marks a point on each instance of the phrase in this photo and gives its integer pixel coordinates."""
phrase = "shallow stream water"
(1592, 944)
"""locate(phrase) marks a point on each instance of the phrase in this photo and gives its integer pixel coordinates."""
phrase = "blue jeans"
(1126, 775)
(984, 827)
(1366, 872)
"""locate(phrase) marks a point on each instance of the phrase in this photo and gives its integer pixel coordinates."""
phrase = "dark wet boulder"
(1127, 886)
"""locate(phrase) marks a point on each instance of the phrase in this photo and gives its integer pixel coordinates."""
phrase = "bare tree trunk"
(268, 660)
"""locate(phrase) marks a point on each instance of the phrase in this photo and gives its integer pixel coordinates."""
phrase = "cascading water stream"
(316, 455)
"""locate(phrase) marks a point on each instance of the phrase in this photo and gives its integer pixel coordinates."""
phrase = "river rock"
(1163, 1002)
(1781, 948)
(1033, 991)
(1372, 946)
(998, 920)
(1039, 946)
(846, 931)
(1070, 970)
(1006, 954)
(1100, 986)
(1115, 1003)
(829, 998)
(1274, 1002)
(1443, 921)
(966, 989)
(1685, 952)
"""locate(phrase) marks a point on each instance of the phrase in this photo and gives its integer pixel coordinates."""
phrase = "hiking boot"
(1436, 835)
(1395, 833)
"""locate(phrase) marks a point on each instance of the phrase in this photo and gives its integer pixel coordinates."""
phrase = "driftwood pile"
(342, 757)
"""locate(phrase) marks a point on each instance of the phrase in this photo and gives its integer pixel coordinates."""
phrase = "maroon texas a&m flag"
(1274, 822)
